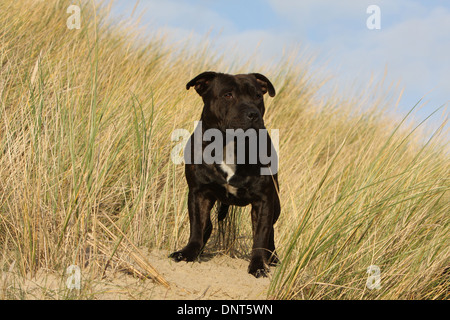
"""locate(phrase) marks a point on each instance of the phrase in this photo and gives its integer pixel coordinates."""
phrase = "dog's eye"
(259, 96)
(228, 95)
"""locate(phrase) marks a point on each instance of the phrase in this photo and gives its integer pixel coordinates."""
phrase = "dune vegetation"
(86, 118)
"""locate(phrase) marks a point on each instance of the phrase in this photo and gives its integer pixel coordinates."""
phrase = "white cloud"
(335, 17)
(413, 43)
(417, 49)
(177, 14)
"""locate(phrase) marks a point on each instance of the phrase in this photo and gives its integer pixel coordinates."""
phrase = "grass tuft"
(86, 118)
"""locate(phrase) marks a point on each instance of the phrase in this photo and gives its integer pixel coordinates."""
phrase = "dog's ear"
(266, 85)
(201, 82)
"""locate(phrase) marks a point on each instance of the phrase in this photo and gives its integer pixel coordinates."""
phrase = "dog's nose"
(253, 116)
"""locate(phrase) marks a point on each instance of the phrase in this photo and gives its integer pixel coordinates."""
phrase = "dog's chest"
(229, 171)
(228, 167)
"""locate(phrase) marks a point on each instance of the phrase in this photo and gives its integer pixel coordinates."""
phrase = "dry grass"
(85, 123)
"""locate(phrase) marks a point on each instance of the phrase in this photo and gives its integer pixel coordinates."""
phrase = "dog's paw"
(258, 269)
(261, 273)
(186, 254)
(177, 256)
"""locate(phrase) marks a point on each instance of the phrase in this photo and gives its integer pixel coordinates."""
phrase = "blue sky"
(413, 44)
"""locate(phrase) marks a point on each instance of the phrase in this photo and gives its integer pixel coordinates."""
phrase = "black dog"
(232, 102)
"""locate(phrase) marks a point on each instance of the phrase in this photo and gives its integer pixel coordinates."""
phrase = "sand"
(216, 277)
(213, 277)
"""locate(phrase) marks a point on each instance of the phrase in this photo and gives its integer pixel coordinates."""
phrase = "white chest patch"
(229, 169)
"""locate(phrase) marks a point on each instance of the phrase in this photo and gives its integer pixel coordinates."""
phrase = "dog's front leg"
(199, 206)
(262, 226)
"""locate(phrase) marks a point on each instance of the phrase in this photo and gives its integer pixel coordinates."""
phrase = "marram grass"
(86, 118)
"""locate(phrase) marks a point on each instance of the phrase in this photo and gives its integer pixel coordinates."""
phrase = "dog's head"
(232, 101)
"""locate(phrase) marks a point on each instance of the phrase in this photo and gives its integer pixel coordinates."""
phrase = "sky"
(411, 48)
